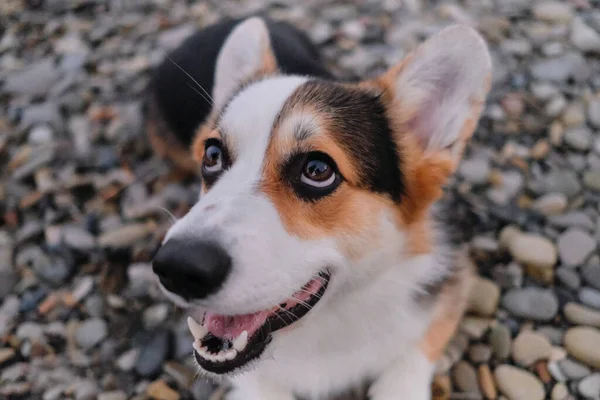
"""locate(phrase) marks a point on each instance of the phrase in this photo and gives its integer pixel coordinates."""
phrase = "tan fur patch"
(451, 304)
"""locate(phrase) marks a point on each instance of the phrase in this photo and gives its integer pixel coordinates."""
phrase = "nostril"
(190, 268)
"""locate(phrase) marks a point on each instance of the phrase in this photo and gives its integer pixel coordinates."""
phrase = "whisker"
(172, 217)
(195, 81)
(200, 94)
(301, 302)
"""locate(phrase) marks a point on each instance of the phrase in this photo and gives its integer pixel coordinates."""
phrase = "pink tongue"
(230, 327)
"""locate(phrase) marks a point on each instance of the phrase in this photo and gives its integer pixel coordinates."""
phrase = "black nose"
(190, 269)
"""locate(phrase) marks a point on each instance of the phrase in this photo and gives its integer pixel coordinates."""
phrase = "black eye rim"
(211, 176)
(295, 168)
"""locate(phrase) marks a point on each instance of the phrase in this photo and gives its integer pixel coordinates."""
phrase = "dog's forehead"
(247, 121)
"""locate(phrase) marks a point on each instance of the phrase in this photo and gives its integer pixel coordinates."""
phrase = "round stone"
(578, 138)
(551, 203)
(91, 332)
(591, 275)
(583, 344)
(575, 246)
(569, 278)
(530, 347)
(484, 297)
(500, 340)
(559, 392)
(480, 353)
(590, 297)
(518, 384)
(590, 387)
(591, 179)
(593, 112)
(486, 382)
(553, 11)
(532, 249)
(573, 370)
(465, 377)
(581, 315)
(531, 303)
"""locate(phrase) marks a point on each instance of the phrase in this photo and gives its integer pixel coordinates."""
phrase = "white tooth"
(220, 357)
(198, 331)
(196, 347)
(241, 341)
(231, 354)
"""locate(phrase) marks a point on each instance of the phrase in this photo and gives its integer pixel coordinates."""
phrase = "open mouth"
(223, 343)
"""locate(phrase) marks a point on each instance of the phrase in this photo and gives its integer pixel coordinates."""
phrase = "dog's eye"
(213, 157)
(317, 175)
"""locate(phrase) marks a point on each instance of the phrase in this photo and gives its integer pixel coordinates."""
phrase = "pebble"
(578, 138)
(534, 250)
(486, 382)
(551, 203)
(591, 275)
(475, 170)
(575, 246)
(35, 80)
(559, 392)
(480, 353)
(583, 344)
(529, 347)
(553, 11)
(91, 332)
(573, 370)
(112, 395)
(124, 236)
(155, 315)
(500, 340)
(569, 278)
(475, 327)
(593, 112)
(484, 297)
(581, 315)
(531, 303)
(465, 377)
(127, 360)
(159, 390)
(591, 179)
(590, 297)
(153, 354)
(518, 384)
(589, 387)
(559, 69)
(85, 390)
(585, 37)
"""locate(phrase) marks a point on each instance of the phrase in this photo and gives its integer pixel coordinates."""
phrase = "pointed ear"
(246, 53)
(438, 91)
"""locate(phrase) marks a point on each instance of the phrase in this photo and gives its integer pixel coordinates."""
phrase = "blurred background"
(83, 201)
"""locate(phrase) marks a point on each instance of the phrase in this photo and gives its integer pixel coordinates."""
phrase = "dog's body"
(311, 262)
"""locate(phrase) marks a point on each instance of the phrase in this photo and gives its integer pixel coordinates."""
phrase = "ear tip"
(254, 23)
(471, 40)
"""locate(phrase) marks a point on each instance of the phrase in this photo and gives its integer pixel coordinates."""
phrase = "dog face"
(311, 187)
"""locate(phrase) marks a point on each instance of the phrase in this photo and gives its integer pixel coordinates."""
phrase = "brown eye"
(317, 173)
(213, 159)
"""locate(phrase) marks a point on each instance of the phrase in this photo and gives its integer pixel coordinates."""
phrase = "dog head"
(312, 186)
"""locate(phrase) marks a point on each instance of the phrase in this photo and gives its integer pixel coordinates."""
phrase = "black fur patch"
(357, 119)
(184, 105)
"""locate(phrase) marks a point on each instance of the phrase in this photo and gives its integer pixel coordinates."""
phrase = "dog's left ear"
(436, 94)
(246, 53)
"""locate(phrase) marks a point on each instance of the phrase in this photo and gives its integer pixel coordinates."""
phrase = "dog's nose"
(191, 269)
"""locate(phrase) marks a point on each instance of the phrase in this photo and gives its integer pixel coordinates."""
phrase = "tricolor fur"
(273, 226)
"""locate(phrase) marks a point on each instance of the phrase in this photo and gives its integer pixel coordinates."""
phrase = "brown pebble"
(540, 149)
(486, 382)
(49, 303)
(541, 369)
(441, 388)
(159, 390)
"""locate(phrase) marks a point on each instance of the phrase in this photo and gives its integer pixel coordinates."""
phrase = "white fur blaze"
(443, 85)
(246, 52)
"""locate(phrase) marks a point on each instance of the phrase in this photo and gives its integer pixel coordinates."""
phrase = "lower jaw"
(256, 344)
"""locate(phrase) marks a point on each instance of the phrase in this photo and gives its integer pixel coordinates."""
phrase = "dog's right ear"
(246, 53)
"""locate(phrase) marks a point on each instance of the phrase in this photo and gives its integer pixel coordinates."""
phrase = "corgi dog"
(313, 261)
